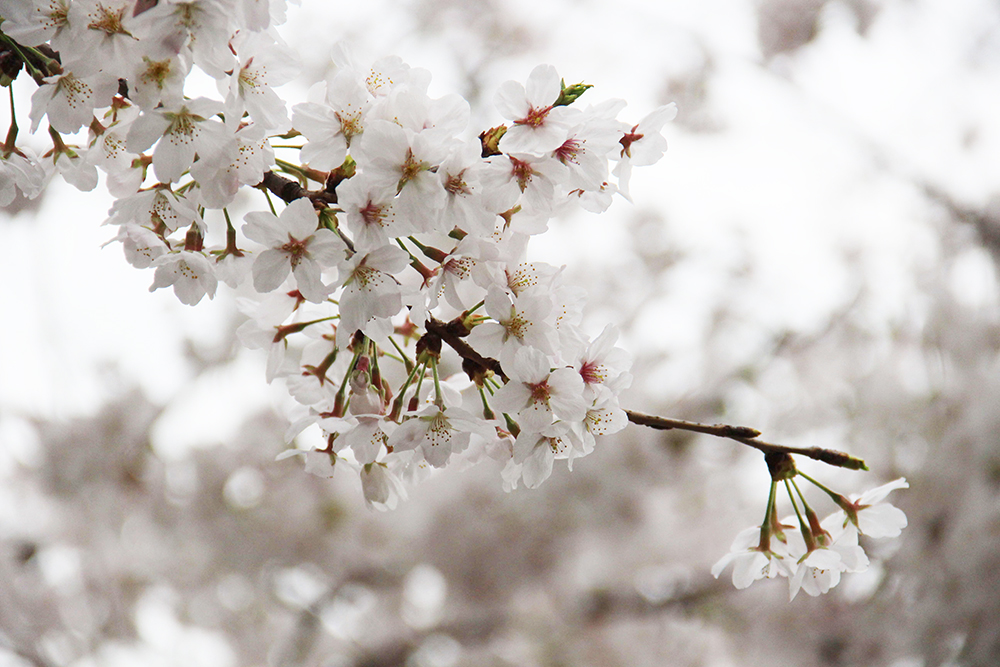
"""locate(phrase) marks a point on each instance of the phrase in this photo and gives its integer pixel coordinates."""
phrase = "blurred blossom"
(244, 488)
(424, 592)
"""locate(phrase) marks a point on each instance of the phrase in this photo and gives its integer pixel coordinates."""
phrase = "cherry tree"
(384, 269)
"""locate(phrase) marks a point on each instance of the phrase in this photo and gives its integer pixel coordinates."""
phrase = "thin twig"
(748, 436)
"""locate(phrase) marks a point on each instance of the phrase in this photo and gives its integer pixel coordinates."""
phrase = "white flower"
(464, 206)
(189, 272)
(522, 178)
(371, 294)
(180, 133)
(382, 489)
(366, 439)
(157, 208)
(156, 81)
(604, 367)
(643, 145)
(69, 101)
(602, 419)
(539, 395)
(816, 572)
(870, 515)
(518, 323)
(438, 433)
(34, 22)
(22, 171)
(102, 37)
(534, 453)
(242, 160)
(200, 28)
(590, 141)
(466, 260)
(752, 560)
(539, 127)
(141, 245)
(108, 151)
(264, 63)
(330, 126)
(76, 170)
(294, 245)
(405, 161)
(370, 211)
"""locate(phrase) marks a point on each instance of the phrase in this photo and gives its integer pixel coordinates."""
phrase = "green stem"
(487, 410)
(765, 527)
(405, 359)
(803, 526)
(829, 492)
(267, 195)
(438, 396)
(9, 145)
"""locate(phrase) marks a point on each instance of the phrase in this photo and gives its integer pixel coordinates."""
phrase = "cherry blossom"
(156, 81)
(438, 433)
(518, 323)
(370, 212)
(34, 22)
(332, 124)
(180, 132)
(409, 208)
(870, 515)
(643, 145)
(103, 37)
(20, 171)
(264, 63)
(534, 453)
(155, 208)
(539, 395)
(371, 295)
(68, 101)
(539, 126)
(190, 273)
(754, 559)
(199, 28)
(294, 245)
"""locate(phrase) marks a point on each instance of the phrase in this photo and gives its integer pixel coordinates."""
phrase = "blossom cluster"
(424, 335)
(810, 553)
(394, 299)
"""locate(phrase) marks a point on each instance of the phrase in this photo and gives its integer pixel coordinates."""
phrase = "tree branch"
(288, 190)
(452, 333)
(748, 436)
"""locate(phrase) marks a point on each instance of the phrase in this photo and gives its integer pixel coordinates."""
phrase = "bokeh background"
(815, 257)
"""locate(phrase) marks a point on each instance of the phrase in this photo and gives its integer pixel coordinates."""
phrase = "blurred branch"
(986, 222)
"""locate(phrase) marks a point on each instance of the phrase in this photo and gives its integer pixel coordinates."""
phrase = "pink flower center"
(535, 117)
(521, 171)
(540, 392)
(456, 186)
(593, 373)
(296, 249)
(569, 150)
(628, 140)
(373, 214)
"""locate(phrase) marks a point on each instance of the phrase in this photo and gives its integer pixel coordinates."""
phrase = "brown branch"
(748, 436)
(288, 190)
(447, 333)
